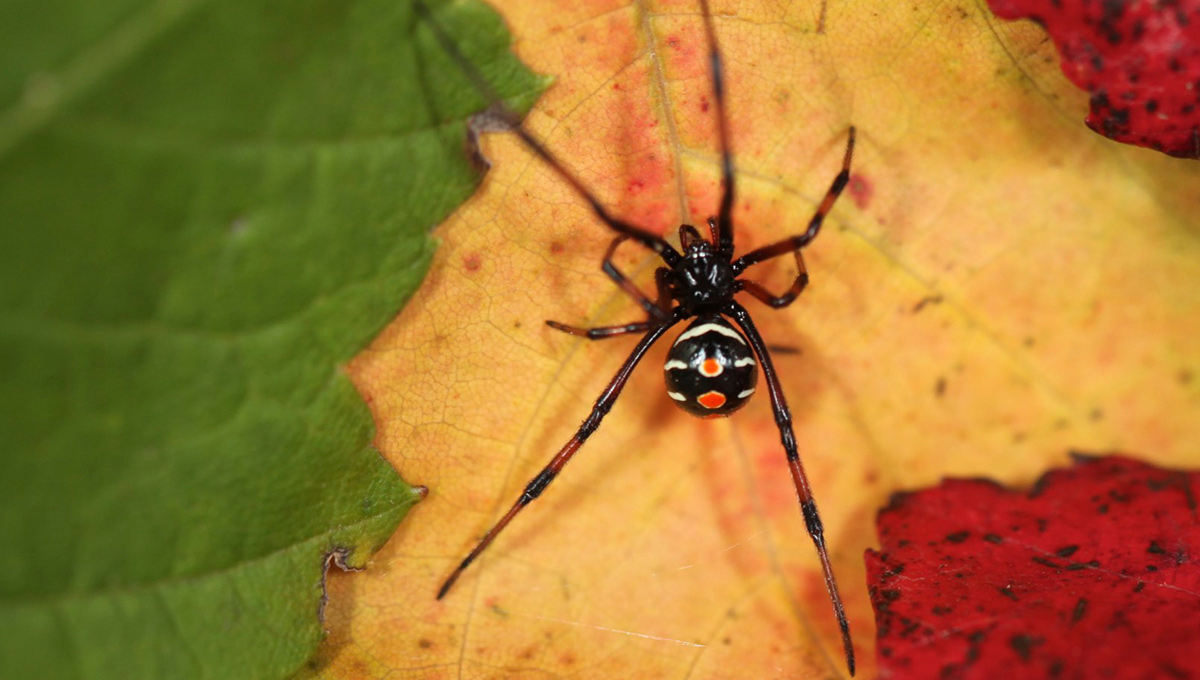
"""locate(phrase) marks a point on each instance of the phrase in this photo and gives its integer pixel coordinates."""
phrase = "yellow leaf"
(998, 286)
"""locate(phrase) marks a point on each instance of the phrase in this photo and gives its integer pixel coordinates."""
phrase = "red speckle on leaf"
(556, 247)
(704, 104)
(860, 190)
(1139, 60)
(673, 42)
(1089, 575)
(636, 186)
(472, 262)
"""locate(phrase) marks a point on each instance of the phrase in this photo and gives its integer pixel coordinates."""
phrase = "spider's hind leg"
(538, 484)
(808, 505)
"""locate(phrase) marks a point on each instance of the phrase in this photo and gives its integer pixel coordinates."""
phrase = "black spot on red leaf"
(1080, 610)
(972, 609)
(958, 536)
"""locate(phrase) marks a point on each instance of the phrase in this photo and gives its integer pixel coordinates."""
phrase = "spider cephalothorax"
(712, 367)
(703, 279)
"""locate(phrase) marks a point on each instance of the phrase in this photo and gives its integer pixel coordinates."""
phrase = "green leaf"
(206, 208)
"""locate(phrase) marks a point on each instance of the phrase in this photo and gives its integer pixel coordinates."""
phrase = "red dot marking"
(704, 104)
(711, 400)
(472, 263)
(710, 368)
(860, 191)
(556, 247)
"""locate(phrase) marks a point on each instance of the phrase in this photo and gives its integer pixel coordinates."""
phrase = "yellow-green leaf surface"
(997, 287)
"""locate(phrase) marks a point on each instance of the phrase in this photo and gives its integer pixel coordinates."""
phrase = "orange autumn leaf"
(997, 287)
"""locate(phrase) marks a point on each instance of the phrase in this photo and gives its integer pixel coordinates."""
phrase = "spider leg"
(808, 506)
(646, 238)
(602, 332)
(814, 225)
(778, 301)
(662, 281)
(538, 484)
(652, 308)
(712, 230)
(724, 241)
(659, 310)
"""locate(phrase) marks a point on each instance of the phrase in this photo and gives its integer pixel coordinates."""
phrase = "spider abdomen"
(710, 370)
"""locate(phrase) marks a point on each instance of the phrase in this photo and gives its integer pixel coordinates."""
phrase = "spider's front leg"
(795, 243)
(538, 484)
(779, 301)
(658, 310)
(808, 505)
(650, 240)
(723, 227)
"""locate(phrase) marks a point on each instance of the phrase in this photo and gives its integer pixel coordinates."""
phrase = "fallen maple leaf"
(1092, 574)
(997, 286)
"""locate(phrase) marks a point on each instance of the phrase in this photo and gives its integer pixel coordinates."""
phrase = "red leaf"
(1089, 575)
(1139, 59)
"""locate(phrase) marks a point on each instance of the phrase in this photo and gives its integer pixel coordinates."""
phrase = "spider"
(712, 367)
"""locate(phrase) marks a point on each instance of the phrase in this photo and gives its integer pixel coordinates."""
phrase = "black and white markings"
(710, 370)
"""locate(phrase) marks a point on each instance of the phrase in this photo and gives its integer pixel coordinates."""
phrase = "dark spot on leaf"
(927, 300)
(1080, 610)
(1006, 591)
(1023, 645)
(993, 539)
(1066, 551)
(472, 262)
(1045, 562)
(958, 536)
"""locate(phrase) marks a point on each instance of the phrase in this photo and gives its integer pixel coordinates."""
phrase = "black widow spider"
(710, 370)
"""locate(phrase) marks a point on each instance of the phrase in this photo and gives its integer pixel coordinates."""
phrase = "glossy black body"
(703, 280)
